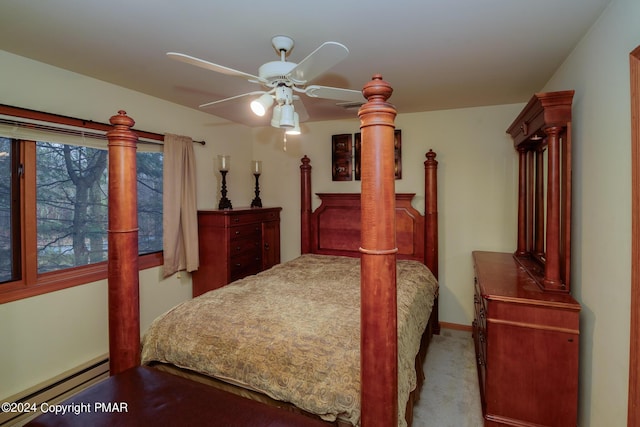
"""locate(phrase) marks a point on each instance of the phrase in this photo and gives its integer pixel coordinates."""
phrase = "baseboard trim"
(456, 326)
(56, 389)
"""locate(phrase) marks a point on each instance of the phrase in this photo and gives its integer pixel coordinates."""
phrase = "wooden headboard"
(334, 228)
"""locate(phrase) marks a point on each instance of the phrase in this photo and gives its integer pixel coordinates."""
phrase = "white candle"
(256, 166)
(223, 163)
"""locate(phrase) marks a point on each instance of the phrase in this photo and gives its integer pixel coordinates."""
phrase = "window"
(9, 212)
(54, 213)
(149, 167)
(71, 206)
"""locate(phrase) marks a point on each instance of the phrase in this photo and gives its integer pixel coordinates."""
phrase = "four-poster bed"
(388, 357)
(384, 276)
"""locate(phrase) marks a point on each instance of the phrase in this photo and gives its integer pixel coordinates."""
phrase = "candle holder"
(223, 165)
(256, 167)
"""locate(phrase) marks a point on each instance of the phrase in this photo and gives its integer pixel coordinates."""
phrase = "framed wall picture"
(357, 154)
(397, 153)
(341, 157)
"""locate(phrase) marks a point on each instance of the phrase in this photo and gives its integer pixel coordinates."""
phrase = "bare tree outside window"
(6, 212)
(149, 167)
(72, 211)
(71, 205)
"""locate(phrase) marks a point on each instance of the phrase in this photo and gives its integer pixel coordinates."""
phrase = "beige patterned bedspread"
(293, 333)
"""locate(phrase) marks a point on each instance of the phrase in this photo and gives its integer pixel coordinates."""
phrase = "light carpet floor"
(450, 395)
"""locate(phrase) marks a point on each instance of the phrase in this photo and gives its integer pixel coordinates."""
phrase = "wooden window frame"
(31, 283)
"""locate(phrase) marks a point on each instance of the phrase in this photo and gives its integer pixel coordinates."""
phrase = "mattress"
(293, 333)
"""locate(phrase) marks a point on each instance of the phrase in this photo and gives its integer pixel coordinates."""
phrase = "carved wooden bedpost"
(378, 340)
(431, 223)
(124, 307)
(305, 205)
(431, 212)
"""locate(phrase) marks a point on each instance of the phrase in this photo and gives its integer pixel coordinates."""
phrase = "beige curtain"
(180, 217)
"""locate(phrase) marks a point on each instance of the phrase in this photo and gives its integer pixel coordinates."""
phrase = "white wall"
(598, 70)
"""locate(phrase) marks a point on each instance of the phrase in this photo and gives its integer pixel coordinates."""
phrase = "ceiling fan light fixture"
(295, 130)
(281, 79)
(287, 119)
(275, 116)
(261, 105)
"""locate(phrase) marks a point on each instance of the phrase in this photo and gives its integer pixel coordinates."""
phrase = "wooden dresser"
(527, 344)
(234, 244)
(527, 325)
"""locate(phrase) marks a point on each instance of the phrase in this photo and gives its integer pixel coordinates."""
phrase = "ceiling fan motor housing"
(275, 72)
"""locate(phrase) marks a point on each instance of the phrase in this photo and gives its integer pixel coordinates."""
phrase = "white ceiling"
(437, 54)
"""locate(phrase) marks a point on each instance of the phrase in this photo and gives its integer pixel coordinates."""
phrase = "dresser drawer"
(479, 338)
(245, 264)
(527, 313)
(239, 247)
(232, 218)
(478, 302)
(253, 217)
(249, 231)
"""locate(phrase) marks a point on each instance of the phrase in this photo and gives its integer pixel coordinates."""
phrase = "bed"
(291, 333)
(363, 322)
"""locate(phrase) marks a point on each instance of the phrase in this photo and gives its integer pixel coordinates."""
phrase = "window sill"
(55, 281)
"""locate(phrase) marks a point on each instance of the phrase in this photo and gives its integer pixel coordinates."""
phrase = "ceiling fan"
(282, 81)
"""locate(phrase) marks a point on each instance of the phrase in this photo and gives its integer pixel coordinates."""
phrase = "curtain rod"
(70, 123)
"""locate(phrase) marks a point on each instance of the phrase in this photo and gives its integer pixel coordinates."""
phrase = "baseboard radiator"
(55, 390)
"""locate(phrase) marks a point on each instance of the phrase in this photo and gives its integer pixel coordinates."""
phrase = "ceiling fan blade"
(213, 67)
(209, 104)
(339, 94)
(318, 61)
